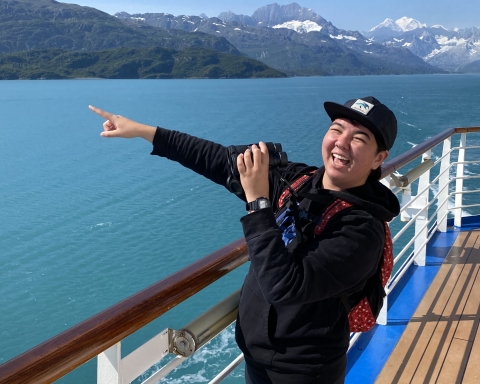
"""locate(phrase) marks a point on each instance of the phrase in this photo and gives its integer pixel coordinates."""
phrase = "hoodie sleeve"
(345, 254)
(207, 158)
(204, 157)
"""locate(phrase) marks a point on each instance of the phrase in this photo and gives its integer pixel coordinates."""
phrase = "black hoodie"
(291, 318)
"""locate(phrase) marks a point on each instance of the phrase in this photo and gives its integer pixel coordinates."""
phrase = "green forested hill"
(131, 63)
(48, 24)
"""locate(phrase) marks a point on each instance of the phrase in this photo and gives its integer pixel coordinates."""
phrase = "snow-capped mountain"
(450, 50)
(295, 40)
(403, 24)
(389, 24)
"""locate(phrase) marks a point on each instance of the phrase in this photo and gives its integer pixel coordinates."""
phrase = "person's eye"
(360, 139)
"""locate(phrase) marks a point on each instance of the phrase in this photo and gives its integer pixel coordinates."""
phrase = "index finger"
(263, 147)
(98, 111)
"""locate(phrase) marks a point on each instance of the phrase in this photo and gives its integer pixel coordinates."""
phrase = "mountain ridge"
(322, 49)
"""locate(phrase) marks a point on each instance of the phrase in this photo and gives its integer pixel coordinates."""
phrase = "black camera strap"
(293, 204)
(301, 210)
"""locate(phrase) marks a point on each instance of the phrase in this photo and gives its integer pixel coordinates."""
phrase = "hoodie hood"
(372, 197)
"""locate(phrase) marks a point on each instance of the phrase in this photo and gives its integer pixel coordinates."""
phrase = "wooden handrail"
(467, 130)
(403, 159)
(63, 353)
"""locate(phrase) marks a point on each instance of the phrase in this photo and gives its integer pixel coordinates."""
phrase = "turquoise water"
(89, 221)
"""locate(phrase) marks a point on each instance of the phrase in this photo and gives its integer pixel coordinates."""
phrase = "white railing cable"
(409, 260)
(165, 370)
(409, 224)
(465, 147)
(404, 267)
(466, 162)
(353, 338)
(411, 242)
(465, 206)
(402, 270)
(432, 217)
(465, 178)
(228, 369)
(464, 192)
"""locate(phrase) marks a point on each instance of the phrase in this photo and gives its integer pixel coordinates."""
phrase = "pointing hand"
(119, 126)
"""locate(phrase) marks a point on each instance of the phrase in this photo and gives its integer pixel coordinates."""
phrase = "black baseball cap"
(369, 112)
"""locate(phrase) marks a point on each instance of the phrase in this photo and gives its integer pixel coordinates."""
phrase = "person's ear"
(379, 159)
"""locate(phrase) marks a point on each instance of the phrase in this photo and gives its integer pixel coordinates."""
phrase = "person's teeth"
(339, 157)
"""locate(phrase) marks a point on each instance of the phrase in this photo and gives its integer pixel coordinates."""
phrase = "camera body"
(277, 158)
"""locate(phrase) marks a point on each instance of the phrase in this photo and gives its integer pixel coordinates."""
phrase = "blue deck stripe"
(372, 350)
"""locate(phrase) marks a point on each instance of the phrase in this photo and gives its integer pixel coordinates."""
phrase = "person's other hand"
(253, 168)
(119, 126)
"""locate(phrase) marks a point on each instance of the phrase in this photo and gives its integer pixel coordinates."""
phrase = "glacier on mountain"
(340, 37)
(300, 26)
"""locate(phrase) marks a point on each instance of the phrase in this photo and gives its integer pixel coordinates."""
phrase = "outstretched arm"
(204, 157)
(119, 126)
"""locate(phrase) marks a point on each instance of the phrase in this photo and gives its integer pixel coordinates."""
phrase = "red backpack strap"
(360, 317)
(335, 207)
(296, 185)
(387, 260)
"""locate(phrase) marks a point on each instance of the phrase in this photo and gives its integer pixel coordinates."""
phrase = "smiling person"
(306, 258)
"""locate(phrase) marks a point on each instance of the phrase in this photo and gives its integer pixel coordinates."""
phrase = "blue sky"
(345, 14)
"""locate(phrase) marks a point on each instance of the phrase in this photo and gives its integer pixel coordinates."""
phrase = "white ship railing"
(430, 181)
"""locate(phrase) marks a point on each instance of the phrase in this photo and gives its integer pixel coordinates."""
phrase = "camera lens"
(278, 159)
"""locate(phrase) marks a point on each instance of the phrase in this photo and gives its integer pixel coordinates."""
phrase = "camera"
(277, 158)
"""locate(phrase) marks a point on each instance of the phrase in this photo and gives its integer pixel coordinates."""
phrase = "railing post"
(443, 186)
(459, 181)
(108, 365)
(421, 227)
(386, 181)
(382, 316)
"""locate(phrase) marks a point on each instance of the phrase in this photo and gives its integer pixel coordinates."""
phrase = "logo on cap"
(362, 106)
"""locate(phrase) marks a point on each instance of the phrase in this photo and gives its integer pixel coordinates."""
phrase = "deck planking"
(441, 343)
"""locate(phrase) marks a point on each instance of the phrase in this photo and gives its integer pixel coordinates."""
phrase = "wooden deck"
(441, 343)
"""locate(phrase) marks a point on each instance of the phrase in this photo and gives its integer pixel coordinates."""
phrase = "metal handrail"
(63, 353)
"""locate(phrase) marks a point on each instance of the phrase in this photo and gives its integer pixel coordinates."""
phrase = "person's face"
(349, 152)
